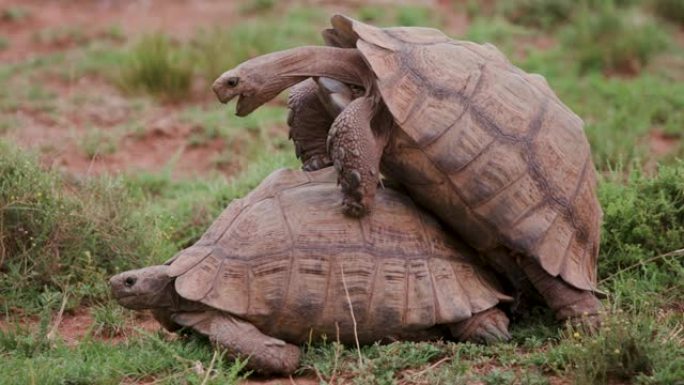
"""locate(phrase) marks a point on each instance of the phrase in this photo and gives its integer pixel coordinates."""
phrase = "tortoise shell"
(488, 148)
(282, 259)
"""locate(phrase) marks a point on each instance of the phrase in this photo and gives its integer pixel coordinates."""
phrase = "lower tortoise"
(280, 267)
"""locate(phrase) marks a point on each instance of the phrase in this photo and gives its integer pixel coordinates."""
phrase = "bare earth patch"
(661, 143)
(50, 26)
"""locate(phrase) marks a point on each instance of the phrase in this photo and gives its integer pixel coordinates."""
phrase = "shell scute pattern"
(504, 144)
(296, 288)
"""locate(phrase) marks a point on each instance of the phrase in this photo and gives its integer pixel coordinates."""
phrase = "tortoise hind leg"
(567, 302)
(487, 327)
(266, 354)
(356, 152)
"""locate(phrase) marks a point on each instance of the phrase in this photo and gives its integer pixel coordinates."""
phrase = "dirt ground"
(48, 27)
(163, 134)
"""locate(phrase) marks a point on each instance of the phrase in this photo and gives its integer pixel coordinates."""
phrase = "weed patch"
(157, 66)
(544, 14)
(28, 357)
(55, 240)
(219, 49)
(643, 222)
(609, 39)
(628, 347)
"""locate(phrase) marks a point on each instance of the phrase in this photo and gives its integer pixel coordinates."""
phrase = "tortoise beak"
(223, 93)
(245, 105)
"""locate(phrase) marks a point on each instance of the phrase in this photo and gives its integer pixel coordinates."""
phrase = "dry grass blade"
(674, 253)
(53, 331)
(414, 376)
(210, 368)
(351, 311)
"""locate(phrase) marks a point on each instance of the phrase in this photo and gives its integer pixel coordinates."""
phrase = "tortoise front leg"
(356, 151)
(309, 123)
(487, 327)
(266, 354)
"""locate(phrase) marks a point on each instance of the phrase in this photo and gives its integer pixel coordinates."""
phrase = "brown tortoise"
(485, 146)
(280, 267)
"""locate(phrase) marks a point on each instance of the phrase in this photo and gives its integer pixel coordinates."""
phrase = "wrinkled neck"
(166, 298)
(294, 65)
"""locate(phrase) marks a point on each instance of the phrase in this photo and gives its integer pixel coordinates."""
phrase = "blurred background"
(114, 153)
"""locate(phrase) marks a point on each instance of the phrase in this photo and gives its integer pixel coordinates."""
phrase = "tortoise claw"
(354, 209)
(316, 163)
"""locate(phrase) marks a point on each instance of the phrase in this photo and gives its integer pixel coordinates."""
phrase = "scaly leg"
(567, 302)
(309, 123)
(487, 327)
(356, 152)
(266, 354)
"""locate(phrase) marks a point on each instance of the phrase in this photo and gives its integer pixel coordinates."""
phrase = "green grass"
(30, 357)
(636, 347)
(614, 40)
(257, 6)
(96, 142)
(219, 49)
(545, 14)
(60, 237)
(157, 66)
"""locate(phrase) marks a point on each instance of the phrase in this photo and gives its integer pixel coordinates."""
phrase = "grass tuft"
(545, 14)
(628, 347)
(609, 39)
(257, 6)
(414, 16)
(157, 66)
(219, 49)
(643, 224)
(53, 239)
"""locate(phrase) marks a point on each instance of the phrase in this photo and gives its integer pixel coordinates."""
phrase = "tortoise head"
(146, 288)
(254, 82)
(262, 78)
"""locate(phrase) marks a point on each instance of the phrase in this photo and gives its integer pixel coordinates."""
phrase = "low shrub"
(643, 227)
(628, 347)
(56, 237)
(609, 39)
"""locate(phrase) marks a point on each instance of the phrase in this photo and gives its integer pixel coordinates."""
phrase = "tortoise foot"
(488, 327)
(316, 162)
(355, 203)
(585, 313)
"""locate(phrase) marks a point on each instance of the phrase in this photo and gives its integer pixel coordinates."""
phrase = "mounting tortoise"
(280, 267)
(488, 148)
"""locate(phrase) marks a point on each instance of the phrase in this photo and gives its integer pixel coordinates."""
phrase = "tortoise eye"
(232, 82)
(130, 281)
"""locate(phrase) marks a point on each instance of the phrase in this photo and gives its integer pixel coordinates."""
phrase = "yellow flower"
(576, 335)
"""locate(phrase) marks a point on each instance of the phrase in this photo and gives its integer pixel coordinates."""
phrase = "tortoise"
(488, 148)
(279, 267)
